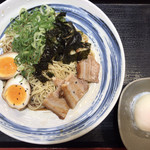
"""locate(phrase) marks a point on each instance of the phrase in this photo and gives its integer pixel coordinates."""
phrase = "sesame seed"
(17, 98)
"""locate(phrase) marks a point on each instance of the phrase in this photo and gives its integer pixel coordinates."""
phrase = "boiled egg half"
(8, 68)
(17, 92)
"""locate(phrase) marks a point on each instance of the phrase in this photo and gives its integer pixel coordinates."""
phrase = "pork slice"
(58, 82)
(56, 105)
(88, 69)
(73, 90)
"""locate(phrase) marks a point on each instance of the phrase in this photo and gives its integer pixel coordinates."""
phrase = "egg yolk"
(7, 66)
(16, 95)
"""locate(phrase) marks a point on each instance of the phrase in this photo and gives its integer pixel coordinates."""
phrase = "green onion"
(29, 30)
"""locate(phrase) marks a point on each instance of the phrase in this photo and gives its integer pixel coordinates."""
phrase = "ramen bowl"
(44, 127)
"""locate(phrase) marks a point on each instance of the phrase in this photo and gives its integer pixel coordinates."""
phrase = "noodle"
(5, 43)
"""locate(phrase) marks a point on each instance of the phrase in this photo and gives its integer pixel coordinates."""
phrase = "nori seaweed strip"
(50, 74)
(79, 55)
(60, 41)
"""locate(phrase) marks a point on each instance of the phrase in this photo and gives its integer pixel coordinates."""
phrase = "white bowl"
(43, 127)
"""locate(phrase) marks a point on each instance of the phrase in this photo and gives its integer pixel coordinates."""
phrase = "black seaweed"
(63, 39)
(50, 74)
(60, 41)
(42, 78)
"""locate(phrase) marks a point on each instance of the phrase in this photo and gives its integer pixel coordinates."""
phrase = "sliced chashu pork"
(88, 69)
(67, 95)
(56, 104)
(58, 82)
(73, 90)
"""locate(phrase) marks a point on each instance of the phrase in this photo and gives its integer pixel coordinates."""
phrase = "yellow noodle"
(6, 43)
